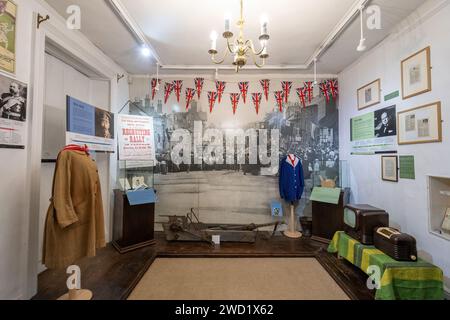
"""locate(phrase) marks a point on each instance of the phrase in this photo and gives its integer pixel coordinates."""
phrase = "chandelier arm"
(230, 46)
(257, 64)
(221, 60)
(253, 47)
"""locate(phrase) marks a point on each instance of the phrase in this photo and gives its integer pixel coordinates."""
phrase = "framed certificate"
(389, 168)
(369, 95)
(416, 74)
(420, 125)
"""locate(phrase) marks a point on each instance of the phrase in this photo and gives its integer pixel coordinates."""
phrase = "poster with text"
(8, 12)
(136, 139)
(91, 126)
(13, 113)
(374, 132)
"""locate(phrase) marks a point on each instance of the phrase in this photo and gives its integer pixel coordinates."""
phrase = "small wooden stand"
(291, 232)
(77, 295)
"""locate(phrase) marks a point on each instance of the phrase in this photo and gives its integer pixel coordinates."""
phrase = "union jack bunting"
(220, 86)
(302, 96)
(177, 86)
(279, 97)
(234, 97)
(168, 88)
(266, 86)
(243, 87)
(334, 88)
(324, 90)
(212, 97)
(155, 82)
(287, 86)
(309, 88)
(257, 98)
(189, 96)
(199, 86)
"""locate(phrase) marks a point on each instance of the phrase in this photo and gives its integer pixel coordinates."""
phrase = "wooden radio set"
(370, 226)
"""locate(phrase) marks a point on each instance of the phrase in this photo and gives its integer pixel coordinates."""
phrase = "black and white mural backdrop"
(222, 159)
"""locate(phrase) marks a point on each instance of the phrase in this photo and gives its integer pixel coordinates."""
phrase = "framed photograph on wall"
(369, 95)
(416, 74)
(8, 12)
(389, 168)
(420, 125)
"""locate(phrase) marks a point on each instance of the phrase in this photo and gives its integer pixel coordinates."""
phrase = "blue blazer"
(291, 181)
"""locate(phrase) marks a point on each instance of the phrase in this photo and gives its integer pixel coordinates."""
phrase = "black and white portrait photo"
(13, 99)
(385, 122)
(104, 124)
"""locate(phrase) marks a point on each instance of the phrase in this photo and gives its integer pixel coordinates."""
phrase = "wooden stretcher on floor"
(189, 228)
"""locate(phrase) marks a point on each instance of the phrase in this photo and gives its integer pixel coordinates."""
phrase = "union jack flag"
(333, 85)
(287, 86)
(243, 87)
(279, 97)
(309, 88)
(220, 86)
(168, 88)
(178, 85)
(199, 86)
(324, 90)
(155, 84)
(257, 97)
(266, 86)
(302, 95)
(212, 97)
(234, 97)
(189, 96)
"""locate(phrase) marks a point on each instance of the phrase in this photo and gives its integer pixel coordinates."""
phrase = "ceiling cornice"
(134, 28)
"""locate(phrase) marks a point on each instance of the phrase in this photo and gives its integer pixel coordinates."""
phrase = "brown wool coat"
(74, 227)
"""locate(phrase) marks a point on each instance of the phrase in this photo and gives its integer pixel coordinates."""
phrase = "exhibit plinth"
(291, 232)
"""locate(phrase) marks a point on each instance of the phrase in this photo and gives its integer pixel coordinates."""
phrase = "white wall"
(16, 214)
(405, 201)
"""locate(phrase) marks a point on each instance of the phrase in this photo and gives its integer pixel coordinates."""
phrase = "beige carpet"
(237, 279)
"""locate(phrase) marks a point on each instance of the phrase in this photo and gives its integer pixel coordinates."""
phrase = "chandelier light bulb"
(213, 35)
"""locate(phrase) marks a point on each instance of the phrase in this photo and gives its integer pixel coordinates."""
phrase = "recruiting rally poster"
(136, 138)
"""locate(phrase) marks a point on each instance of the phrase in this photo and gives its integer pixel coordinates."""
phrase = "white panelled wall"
(406, 201)
(18, 216)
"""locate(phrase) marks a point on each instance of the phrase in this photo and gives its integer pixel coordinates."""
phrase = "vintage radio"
(397, 245)
(360, 221)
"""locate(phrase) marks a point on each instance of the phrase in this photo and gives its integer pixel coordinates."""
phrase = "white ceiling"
(179, 29)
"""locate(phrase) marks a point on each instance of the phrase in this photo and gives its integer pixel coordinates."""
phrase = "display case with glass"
(328, 174)
(135, 175)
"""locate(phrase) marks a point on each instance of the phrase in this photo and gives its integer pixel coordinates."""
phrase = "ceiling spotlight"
(145, 50)
(362, 45)
(362, 42)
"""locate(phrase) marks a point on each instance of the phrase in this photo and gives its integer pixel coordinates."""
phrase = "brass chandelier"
(240, 48)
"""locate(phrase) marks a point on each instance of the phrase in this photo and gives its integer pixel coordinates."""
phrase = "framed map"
(8, 11)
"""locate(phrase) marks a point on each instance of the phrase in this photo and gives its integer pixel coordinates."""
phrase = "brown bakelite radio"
(361, 220)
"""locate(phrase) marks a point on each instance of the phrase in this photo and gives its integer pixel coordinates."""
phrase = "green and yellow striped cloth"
(399, 280)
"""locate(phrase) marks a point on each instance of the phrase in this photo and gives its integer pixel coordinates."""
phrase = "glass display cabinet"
(134, 206)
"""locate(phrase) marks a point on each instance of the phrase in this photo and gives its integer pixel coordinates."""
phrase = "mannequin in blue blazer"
(291, 181)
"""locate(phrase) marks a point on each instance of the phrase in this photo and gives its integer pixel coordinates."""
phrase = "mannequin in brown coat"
(74, 226)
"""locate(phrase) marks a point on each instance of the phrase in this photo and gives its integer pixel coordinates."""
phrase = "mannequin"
(74, 227)
(291, 188)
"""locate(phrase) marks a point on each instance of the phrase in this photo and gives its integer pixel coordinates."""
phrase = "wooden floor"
(112, 276)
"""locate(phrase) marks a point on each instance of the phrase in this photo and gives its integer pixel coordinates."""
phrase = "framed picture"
(8, 12)
(389, 168)
(420, 125)
(416, 74)
(369, 95)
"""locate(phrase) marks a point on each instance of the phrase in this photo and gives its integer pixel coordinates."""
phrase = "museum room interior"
(224, 150)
